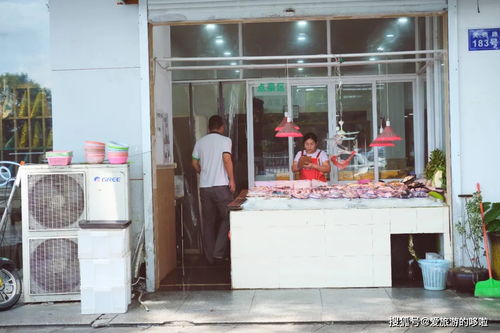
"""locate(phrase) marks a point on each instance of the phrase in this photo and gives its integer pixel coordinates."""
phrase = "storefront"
(330, 74)
(361, 62)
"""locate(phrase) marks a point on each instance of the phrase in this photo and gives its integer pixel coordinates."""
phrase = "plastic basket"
(434, 273)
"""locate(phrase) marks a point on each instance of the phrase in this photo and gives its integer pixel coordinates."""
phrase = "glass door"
(268, 102)
(317, 106)
(270, 154)
(310, 112)
(354, 106)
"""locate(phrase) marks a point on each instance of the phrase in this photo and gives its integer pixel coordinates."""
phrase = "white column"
(431, 135)
(146, 146)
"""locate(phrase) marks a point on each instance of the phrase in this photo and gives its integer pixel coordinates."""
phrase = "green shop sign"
(271, 87)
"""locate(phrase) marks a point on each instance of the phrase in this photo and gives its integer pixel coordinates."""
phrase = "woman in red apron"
(311, 163)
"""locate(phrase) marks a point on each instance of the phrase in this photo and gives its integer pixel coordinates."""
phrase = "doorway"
(193, 104)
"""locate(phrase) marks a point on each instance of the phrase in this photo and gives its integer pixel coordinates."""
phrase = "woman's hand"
(310, 166)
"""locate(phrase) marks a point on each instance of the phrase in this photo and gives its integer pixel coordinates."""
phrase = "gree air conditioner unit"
(54, 201)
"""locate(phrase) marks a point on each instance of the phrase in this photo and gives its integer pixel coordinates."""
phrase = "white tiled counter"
(346, 245)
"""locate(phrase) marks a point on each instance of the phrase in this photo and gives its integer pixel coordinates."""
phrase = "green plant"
(436, 164)
(492, 216)
(470, 228)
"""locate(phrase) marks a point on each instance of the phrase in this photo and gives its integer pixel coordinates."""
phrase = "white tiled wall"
(324, 248)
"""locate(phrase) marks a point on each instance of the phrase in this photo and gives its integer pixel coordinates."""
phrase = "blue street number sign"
(484, 39)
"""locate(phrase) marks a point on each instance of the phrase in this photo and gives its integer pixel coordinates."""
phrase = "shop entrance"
(326, 80)
(193, 105)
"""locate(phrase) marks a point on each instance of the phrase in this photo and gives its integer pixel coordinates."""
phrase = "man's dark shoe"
(220, 260)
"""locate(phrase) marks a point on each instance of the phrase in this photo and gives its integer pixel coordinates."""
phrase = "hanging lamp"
(386, 135)
(382, 144)
(289, 131)
(283, 123)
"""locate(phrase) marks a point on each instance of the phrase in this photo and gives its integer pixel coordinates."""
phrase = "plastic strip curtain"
(193, 105)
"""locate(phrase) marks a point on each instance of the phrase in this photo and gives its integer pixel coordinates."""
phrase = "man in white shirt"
(211, 158)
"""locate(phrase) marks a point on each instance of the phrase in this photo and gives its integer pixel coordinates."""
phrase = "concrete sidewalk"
(369, 306)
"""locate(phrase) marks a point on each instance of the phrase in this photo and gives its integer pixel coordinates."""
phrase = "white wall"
(96, 82)
(163, 138)
(479, 73)
(474, 105)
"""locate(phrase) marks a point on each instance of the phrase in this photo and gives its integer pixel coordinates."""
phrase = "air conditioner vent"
(54, 266)
(55, 201)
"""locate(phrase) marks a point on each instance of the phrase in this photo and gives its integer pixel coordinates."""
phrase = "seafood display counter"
(285, 242)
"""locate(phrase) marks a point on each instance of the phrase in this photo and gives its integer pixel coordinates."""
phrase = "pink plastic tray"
(59, 160)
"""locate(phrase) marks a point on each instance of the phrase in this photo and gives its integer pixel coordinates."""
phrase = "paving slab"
(429, 303)
(372, 304)
(162, 308)
(237, 300)
(46, 314)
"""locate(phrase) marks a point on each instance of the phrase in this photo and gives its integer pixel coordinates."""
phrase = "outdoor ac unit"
(54, 201)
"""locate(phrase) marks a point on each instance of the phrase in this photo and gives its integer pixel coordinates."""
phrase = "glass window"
(395, 102)
(25, 96)
(354, 107)
(285, 38)
(374, 35)
(208, 40)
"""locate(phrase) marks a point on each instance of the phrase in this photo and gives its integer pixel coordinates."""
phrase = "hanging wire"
(287, 88)
(386, 92)
(340, 129)
(339, 89)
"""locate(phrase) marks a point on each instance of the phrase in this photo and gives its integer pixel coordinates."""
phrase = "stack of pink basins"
(94, 152)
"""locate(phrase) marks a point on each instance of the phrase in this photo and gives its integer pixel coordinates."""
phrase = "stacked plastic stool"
(105, 273)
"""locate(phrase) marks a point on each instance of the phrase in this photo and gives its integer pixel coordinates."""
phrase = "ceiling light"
(227, 53)
(210, 26)
(301, 37)
(289, 12)
(300, 69)
(403, 20)
(300, 61)
(372, 59)
(380, 48)
(219, 40)
(389, 35)
(233, 64)
(237, 71)
(302, 23)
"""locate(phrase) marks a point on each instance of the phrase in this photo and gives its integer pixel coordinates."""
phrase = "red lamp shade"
(283, 123)
(387, 134)
(288, 131)
(382, 144)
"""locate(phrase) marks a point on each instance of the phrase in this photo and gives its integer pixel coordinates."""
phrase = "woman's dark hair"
(311, 136)
(215, 122)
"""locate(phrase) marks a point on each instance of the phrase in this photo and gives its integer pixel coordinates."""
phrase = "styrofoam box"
(99, 299)
(103, 244)
(105, 272)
